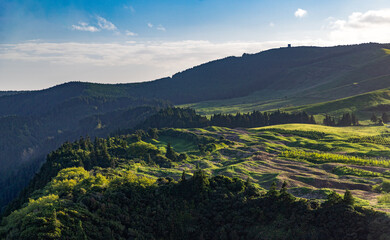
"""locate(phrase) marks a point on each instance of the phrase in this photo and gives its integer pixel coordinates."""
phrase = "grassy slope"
(371, 76)
(361, 104)
(257, 154)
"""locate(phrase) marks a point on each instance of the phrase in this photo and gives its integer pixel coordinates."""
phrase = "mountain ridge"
(66, 111)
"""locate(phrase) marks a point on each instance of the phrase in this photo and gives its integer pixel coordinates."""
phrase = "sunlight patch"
(387, 51)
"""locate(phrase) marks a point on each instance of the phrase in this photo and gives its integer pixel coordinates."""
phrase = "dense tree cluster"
(78, 204)
(380, 120)
(188, 118)
(105, 153)
(259, 119)
(347, 119)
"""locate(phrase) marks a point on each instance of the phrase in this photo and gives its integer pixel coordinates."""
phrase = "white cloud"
(132, 52)
(300, 13)
(85, 27)
(161, 28)
(271, 24)
(129, 33)
(129, 7)
(104, 24)
(370, 26)
(114, 62)
(150, 25)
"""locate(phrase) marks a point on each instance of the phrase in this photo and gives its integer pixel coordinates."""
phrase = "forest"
(188, 118)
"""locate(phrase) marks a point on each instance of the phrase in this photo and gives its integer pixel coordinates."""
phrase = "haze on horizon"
(45, 43)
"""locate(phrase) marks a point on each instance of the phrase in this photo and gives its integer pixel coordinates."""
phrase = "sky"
(44, 43)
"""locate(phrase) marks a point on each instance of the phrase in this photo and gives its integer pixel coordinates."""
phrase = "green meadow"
(312, 159)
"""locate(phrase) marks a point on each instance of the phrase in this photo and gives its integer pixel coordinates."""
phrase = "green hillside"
(136, 186)
(363, 104)
(34, 123)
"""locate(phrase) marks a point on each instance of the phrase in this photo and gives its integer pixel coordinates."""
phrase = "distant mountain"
(325, 72)
(33, 123)
(322, 72)
(6, 93)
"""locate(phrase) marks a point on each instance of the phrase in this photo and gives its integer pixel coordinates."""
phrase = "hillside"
(322, 73)
(35, 122)
(363, 105)
(136, 185)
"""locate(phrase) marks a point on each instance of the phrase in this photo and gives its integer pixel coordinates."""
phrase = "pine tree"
(171, 154)
(183, 176)
(273, 192)
(348, 198)
(334, 198)
(374, 118)
(283, 190)
(312, 120)
(385, 118)
(355, 121)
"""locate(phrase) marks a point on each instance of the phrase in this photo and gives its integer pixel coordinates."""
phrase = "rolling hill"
(35, 122)
(363, 105)
(152, 187)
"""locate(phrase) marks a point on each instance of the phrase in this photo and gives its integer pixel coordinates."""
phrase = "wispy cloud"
(129, 7)
(101, 24)
(130, 33)
(85, 27)
(161, 28)
(158, 27)
(105, 24)
(367, 26)
(114, 62)
(300, 13)
(271, 24)
(168, 55)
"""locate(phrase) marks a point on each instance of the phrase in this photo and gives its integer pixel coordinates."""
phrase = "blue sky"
(47, 42)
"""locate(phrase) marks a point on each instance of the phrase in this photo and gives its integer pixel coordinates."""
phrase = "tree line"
(385, 118)
(188, 118)
(347, 119)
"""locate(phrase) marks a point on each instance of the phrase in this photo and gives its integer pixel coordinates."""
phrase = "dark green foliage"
(374, 118)
(385, 118)
(348, 198)
(175, 117)
(171, 154)
(153, 133)
(188, 118)
(128, 207)
(329, 121)
(104, 153)
(346, 119)
(259, 119)
(333, 199)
